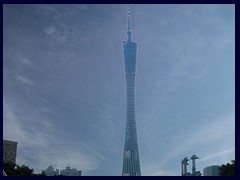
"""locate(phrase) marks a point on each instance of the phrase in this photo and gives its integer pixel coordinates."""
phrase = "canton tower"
(131, 162)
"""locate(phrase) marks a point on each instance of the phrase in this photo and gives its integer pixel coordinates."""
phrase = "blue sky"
(64, 96)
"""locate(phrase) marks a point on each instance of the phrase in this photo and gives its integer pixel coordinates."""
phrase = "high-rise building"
(9, 151)
(70, 172)
(211, 170)
(131, 162)
(50, 171)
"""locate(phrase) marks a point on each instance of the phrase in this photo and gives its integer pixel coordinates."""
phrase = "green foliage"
(24, 171)
(42, 174)
(228, 169)
(12, 169)
(9, 168)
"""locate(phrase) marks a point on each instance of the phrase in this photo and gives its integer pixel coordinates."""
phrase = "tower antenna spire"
(129, 33)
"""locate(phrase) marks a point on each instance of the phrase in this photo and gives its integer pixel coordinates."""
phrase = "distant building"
(9, 151)
(70, 172)
(211, 170)
(50, 171)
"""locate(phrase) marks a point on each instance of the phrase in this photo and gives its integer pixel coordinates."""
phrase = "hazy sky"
(64, 96)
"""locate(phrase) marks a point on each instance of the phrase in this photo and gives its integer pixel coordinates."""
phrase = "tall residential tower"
(131, 162)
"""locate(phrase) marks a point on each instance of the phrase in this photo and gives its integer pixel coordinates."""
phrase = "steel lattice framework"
(131, 162)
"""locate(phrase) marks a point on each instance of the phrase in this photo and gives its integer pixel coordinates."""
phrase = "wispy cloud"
(50, 29)
(204, 141)
(47, 110)
(153, 169)
(25, 61)
(23, 80)
(24, 132)
(39, 143)
(217, 154)
(93, 151)
(215, 131)
(74, 157)
(12, 129)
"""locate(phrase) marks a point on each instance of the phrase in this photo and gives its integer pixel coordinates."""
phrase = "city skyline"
(64, 98)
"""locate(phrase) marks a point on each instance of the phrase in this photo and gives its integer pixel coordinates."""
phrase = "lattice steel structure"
(131, 162)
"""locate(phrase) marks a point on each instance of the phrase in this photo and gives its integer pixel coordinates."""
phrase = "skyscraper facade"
(211, 170)
(71, 172)
(50, 171)
(131, 162)
(9, 151)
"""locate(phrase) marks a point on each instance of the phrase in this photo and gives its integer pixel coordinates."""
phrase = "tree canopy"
(12, 169)
(227, 169)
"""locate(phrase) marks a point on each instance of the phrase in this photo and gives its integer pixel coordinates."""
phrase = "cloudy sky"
(64, 96)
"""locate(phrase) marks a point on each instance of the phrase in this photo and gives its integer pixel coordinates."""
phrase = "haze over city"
(64, 92)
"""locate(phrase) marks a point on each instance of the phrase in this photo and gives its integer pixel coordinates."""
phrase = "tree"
(12, 169)
(228, 169)
(24, 171)
(9, 168)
